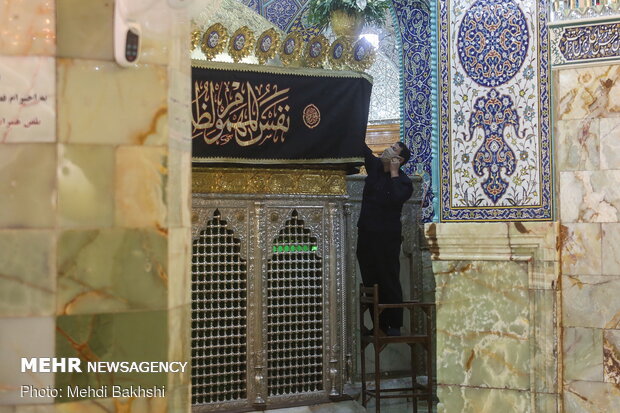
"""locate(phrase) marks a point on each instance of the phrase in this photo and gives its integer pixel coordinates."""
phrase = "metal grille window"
(295, 312)
(219, 320)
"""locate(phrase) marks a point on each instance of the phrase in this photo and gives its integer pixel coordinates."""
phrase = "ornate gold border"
(268, 181)
(367, 60)
(298, 71)
(316, 61)
(196, 37)
(211, 52)
(238, 54)
(288, 59)
(337, 63)
(332, 161)
(275, 43)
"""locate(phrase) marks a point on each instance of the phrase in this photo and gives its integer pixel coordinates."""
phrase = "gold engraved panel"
(268, 181)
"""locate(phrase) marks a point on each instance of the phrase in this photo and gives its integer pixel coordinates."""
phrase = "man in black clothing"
(386, 189)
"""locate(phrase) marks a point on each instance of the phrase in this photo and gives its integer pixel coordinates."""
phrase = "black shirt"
(383, 197)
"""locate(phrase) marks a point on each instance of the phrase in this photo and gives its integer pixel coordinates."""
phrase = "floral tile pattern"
(494, 115)
(414, 20)
(283, 13)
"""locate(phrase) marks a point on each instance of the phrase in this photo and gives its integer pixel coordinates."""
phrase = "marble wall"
(587, 130)
(95, 221)
(497, 308)
(570, 345)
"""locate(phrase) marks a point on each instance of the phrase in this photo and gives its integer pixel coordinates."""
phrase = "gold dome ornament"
(347, 23)
(363, 55)
(214, 40)
(291, 48)
(339, 53)
(241, 43)
(267, 45)
(316, 50)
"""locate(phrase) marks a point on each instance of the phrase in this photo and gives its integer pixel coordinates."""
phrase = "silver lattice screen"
(295, 312)
(268, 301)
(219, 320)
(273, 291)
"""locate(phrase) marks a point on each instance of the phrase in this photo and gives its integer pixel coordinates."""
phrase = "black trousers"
(378, 257)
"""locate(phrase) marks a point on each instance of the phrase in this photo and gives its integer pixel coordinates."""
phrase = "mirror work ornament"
(339, 53)
(316, 50)
(267, 45)
(291, 48)
(214, 41)
(241, 43)
(363, 55)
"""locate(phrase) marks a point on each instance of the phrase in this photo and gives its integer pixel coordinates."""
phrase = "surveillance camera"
(127, 36)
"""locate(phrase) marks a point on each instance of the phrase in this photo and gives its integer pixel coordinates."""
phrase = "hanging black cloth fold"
(257, 115)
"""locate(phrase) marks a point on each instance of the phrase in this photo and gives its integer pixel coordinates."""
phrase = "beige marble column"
(94, 201)
(497, 303)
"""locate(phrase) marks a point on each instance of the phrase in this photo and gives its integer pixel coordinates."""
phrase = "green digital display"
(294, 248)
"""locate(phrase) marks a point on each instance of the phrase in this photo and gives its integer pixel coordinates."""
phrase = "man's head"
(399, 150)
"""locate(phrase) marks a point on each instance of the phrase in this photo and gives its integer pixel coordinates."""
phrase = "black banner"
(244, 114)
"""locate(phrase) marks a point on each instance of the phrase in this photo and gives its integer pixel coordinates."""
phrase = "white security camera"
(127, 36)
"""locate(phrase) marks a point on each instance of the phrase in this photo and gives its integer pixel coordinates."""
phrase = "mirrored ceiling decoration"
(385, 97)
(232, 15)
(287, 16)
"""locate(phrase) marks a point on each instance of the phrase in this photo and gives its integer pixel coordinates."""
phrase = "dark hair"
(405, 153)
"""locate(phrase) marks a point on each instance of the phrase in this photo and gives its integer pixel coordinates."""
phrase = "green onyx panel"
(483, 323)
(129, 337)
(27, 280)
(86, 186)
(112, 270)
(28, 186)
(478, 400)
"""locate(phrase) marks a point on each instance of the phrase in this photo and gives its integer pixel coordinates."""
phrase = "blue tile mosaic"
(586, 43)
(414, 21)
(492, 41)
(282, 13)
(494, 113)
(494, 110)
(300, 24)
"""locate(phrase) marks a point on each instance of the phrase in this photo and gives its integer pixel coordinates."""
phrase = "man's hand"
(395, 166)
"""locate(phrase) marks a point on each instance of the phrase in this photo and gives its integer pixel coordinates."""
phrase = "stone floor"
(355, 406)
(387, 406)
(400, 405)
